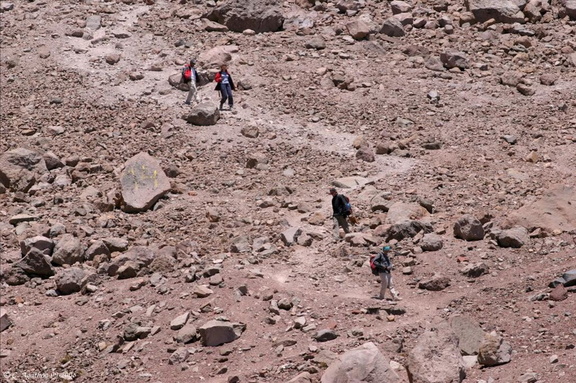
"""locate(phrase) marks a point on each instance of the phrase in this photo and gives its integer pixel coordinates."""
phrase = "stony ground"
(494, 138)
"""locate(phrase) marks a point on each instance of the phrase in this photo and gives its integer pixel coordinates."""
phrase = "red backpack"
(187, 73)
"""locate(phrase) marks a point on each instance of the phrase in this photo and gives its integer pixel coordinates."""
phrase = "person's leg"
(230, 98)
(191, 92)
(393, 291)
(336, 228)
(344, 223)
(193, 86)
(384, 280)
(224, 96)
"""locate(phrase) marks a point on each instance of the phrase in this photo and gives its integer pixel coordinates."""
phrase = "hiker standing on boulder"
(190, 77)
(382, 266)
(339, 213)
(225, 85)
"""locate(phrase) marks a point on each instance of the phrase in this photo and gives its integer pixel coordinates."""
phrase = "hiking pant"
(386, 283)
(193, 92)
(340, 221)
(226, 92)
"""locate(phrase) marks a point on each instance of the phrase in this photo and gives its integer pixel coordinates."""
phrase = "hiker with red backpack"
(225, 85)
(341, 209)
(190, 76)
(382, 266)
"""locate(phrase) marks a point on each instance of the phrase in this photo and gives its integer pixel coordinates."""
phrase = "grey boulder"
(143, 183)
(204, 114)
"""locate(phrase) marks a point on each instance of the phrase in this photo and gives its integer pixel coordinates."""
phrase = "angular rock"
(241, 244)
(436, 283)
(290, 235)
(393, 27)
(503, 11)
(138, 256)
(362, 364)
(128, 270)
(5, 320)
(569, 278)
(96, 249)
(400, 7)
(358, 29)
(515, 237)
(431, 242)
(570, 8)
(204, 114)
(325, 335)
(68, 250)
(201, 291)
(494, 350)
(143, 183)
(316, 42)
(179, 356)
(468, 228)
(36, 263)
(239, 15)
(559, 293)
(187, 334)
(454, 59)
(470, 335)
(475, 270)
(134, 331)
(179, 322)
(116, 244)
(41, 243)
(215, 333)
(19, 169)
(69, 281)
(436, 357)
(365, 154)
(52, 161)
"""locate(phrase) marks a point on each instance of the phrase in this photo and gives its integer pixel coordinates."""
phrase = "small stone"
(325, 335)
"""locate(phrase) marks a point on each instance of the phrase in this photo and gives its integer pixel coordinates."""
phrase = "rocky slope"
(210, 257)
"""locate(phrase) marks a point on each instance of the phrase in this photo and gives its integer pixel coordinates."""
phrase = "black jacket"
(339, 205)
(382, 262)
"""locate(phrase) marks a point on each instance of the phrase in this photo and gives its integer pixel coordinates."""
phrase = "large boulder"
(204, 114)
(19, 169)
(362, 364)
(494, 350)
(36, 263)
(569, 278)
(470, 335)
(41, 243)
(215, 332)
(358, 29)
(136, 258)
(68, 250)
(214, 57)
(431, 242)
(393, 27)
(570, 8)
(515, 237)
(554, 211)
(69, 281)
(405, 220)
(468, 228)
(239, 15)
(503, 11)
(436, 357)
(143, 183)
(435, 283)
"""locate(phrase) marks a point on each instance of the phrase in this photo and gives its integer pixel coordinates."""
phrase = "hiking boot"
(186, 102)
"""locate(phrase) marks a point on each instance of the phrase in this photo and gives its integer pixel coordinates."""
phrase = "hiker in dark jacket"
(225, 85)
(383, 265)
(339, 213)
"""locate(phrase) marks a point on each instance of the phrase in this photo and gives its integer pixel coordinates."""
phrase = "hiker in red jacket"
(225, 86)
(190, 77)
